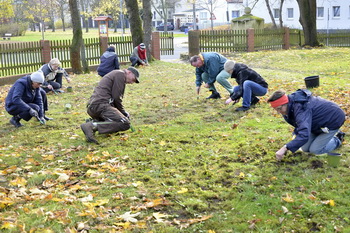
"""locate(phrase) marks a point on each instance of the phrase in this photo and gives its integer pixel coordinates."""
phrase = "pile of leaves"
(191, 165)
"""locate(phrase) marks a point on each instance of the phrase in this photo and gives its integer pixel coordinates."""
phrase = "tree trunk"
(270, 13)
(135, 22)
(77, 37)
(147, 25)
(307, 20)
(281, 20)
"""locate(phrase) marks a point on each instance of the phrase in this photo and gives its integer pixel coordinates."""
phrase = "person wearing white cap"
(53, 73)
(139, 56)
(24, 99)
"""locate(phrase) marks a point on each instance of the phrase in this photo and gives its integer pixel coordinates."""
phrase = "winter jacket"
(50, 74)
(242, 73)
(109, 62)
(213, 65)
(310, 114)
(110, 90)
(21, 94)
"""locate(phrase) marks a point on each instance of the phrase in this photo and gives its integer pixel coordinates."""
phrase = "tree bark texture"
(135, 22)
(271, 14)
(147, 25)
(307, 20)
(77, 40)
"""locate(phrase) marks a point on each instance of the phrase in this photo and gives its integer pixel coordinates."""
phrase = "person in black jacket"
(251, 85)
(53, 73)
(109, 61)
(317, 122)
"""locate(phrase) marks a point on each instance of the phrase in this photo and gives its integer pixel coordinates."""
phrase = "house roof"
(103, 18)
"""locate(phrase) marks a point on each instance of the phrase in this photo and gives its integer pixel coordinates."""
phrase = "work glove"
(33, 113)
(42, 120)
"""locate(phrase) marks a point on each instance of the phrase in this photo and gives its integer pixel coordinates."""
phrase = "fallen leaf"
(128, 217)
(288, 198)
(183, 190)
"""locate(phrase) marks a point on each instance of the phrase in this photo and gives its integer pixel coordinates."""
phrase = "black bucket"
(312, 81)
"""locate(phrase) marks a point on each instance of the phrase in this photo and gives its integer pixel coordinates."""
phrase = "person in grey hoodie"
(109, 61)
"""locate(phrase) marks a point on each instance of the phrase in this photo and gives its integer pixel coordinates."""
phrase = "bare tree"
(307, 20)
(210, 6)
(135, 21)
(162, 8)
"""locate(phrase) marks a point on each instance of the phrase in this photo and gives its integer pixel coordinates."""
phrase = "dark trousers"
(56, 83)
(135, 61)
(108, 118)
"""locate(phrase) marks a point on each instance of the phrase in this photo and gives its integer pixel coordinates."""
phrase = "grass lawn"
(68, 34)
(192, 165)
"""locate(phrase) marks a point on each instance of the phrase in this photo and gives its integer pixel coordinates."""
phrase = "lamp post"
(121, 17)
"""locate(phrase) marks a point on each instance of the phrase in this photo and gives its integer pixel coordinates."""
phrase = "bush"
(16, 29)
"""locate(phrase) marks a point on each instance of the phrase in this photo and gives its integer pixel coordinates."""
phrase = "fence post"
(250, 39)
(193, 43)
(103, 44)
(155, 45)
(45, 51)
(286, 38)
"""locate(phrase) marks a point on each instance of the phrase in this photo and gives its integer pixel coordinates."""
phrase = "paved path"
(180, 46)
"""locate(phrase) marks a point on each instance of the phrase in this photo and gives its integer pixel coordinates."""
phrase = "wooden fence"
(228, 41)
(21, 58)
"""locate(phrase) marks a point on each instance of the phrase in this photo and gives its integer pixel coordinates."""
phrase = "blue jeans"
(250, 88)
(322, 143)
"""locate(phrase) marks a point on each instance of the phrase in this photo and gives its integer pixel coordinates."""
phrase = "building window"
(235, 14)
(154, 15)
(336, 11)
(320, 12)
(203, 15)
(290, 13)
(276, 13)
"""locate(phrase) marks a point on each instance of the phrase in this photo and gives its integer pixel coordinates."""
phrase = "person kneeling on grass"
(24, 99)
(316, 121)
(105, 105)
(251, 85)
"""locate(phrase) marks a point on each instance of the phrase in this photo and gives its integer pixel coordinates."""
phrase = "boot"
(214, 95)
(48, 118)
(15, 121)
(89, 131)
(254, 101)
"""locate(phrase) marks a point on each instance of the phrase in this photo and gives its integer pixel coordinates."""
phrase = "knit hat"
(229, 64)
(142, 46)
(111, 48)
(37, 77)
(135, 72)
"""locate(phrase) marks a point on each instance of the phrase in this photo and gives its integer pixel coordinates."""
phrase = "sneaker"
(15, 121)
(59, 91)
(48, 118)
(89, 132)
(340, 135)
(214, 95)
(254, 101)
(242, 109)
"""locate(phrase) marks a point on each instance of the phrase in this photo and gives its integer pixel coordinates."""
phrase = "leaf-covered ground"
(191, 165)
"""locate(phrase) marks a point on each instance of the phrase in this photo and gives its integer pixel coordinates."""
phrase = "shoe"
(89, 132)
(15, 121)
(240, 109)
(48, 118)
(254, 101)
(214, 95)
(59, 91)
(340, 135)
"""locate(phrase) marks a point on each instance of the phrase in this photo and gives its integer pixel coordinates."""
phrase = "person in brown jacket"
(105, 105)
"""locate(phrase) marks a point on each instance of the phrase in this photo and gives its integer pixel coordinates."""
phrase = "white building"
(331, 14)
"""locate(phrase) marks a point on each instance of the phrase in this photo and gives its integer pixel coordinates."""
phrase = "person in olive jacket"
(316, 122)
(106, 104)
(24, 99)
(251, 85)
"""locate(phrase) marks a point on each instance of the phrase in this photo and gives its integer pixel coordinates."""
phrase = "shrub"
(16, 29)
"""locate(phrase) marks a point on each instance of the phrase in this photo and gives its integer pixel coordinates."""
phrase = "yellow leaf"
(211, 231)
(125, 225)
(331, 203)
(183, 190)
(19, 182)
(8, 225)
(48, 157)
(288, 198)
(241, 175)
(162, 143)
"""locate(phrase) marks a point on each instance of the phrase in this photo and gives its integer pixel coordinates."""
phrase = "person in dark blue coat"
(209, 69)
(317, 122)
(109, 61)
(24, 99)
(251, 85)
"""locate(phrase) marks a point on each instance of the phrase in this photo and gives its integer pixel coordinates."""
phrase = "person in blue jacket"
(210, 68)
(109, 61)
(24, 99)
(317, 122)
(251, 85)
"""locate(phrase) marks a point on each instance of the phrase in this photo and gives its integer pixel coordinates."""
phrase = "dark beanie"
(111, 49)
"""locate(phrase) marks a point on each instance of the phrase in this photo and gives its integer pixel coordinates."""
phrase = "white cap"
(37, 77)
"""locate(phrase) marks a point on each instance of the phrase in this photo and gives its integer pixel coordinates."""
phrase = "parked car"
(189, 26)
(160, 27)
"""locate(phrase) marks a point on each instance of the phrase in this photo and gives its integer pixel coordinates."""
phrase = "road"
(180, 46)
